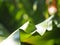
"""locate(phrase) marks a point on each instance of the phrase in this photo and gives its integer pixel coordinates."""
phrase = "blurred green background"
(14, 13)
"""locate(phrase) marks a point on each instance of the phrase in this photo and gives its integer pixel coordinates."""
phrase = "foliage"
(14, 13)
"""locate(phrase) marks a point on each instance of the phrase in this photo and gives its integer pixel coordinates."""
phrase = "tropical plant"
(38, 21)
